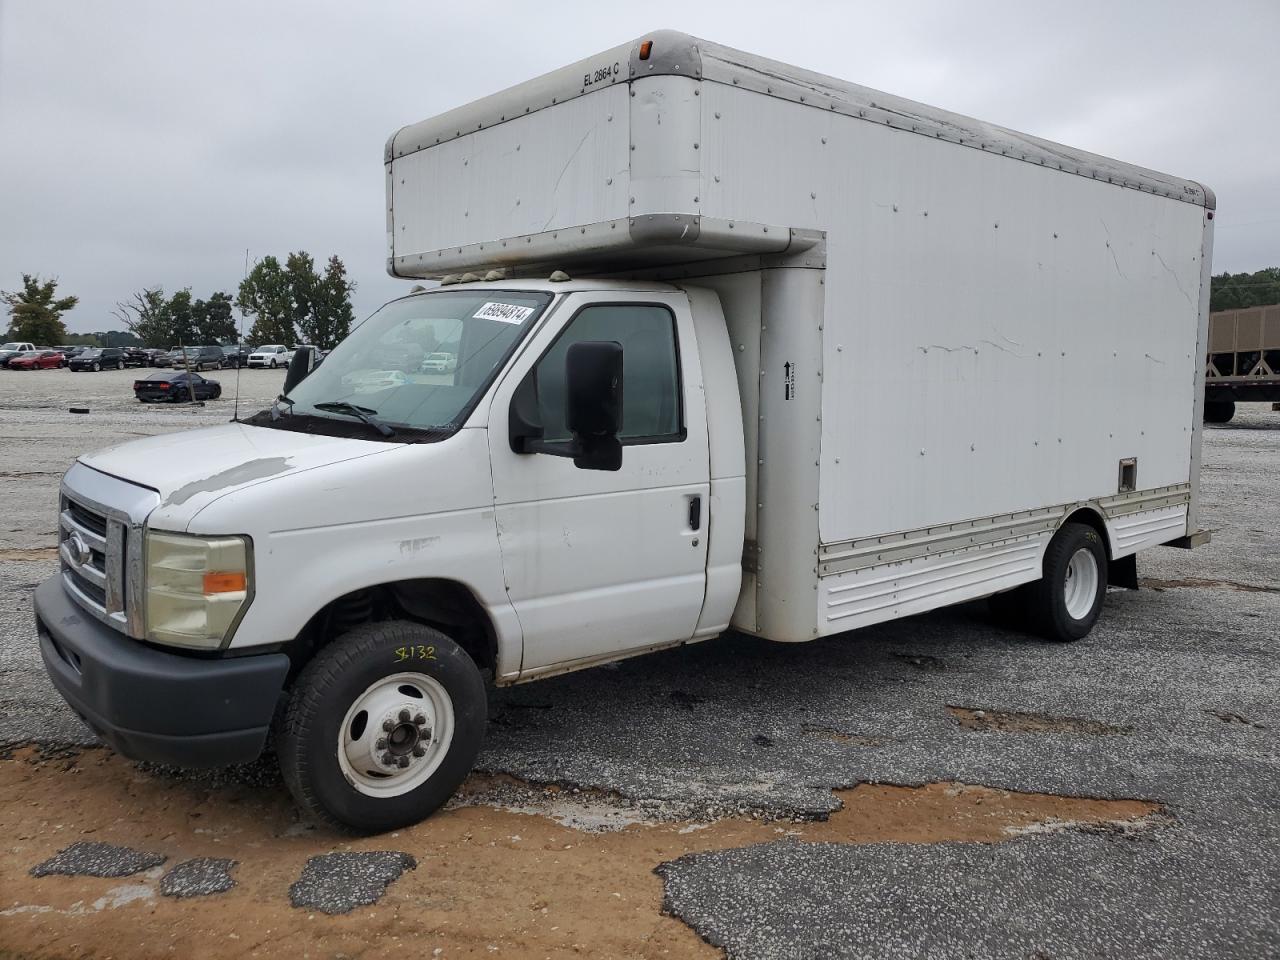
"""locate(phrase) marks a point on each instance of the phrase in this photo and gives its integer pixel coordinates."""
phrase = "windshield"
(92, 353)
(393, 364)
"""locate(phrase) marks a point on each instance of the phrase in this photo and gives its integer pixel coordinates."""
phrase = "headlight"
(197, 587)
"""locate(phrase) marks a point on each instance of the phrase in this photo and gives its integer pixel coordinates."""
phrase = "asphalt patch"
(200, 877)
(340, 882)
(88, 858)
(1007, 901)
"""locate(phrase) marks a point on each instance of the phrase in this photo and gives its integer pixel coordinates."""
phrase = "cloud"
(151, 143)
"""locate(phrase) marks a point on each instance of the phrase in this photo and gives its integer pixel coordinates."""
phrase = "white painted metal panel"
(875, 594)
(597, 562)
(562, 166)
(998, 335)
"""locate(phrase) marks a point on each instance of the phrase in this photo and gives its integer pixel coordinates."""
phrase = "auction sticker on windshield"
(506, 312)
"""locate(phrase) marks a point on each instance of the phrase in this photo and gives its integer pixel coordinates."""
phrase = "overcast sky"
(146, 144)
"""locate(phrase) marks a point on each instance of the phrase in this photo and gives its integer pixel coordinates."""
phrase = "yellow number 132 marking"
(418, 652)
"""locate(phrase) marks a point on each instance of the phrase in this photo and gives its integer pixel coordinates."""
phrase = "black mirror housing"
(303, 362)
(593, 377)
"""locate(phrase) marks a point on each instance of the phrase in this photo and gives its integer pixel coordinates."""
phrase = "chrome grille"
(100, 521)
(92, 549)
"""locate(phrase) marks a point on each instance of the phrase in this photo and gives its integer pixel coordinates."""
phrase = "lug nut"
(387, 725)
(404, 762)
(381, 744)
(420, 719)
(419, 750)
(404, 716)
(386, 759)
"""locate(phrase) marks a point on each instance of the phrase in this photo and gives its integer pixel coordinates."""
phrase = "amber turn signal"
(224, 582)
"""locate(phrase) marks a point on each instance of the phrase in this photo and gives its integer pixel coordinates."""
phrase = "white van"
(827, 358)
(271, 355)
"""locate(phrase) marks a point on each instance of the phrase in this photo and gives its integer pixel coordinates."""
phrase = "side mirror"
(593, 403)
(303, 362)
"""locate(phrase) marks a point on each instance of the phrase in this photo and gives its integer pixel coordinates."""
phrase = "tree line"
(1231, 291)
(290, 303)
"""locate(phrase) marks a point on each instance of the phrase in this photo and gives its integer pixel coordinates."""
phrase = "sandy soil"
(489, 881)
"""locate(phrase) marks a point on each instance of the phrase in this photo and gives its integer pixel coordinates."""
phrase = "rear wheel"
(1065, 603)
(273, 364)
(382, 726)
(1219, 411)
(97, 367)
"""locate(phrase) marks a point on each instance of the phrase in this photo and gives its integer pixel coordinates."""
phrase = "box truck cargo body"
(718, 343)
(948, 336)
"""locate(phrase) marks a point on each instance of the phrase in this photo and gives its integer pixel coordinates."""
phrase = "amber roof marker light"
(646, 47)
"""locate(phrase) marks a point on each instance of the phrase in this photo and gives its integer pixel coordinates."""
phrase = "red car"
(40, 360)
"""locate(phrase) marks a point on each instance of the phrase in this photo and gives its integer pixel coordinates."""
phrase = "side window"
(650, 371)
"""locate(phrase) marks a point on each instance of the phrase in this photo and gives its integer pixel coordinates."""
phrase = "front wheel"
(273, 364)
(382, 726)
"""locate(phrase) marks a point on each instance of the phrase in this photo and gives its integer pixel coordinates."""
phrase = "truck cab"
(466, 507)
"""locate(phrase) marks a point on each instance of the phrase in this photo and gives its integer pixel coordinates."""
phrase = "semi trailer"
(1244, 360)
(737, 348)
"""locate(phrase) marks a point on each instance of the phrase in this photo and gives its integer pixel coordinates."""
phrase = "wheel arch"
(1091, 516)
(449, 606)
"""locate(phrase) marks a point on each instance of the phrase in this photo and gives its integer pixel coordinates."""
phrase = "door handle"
(695, 513)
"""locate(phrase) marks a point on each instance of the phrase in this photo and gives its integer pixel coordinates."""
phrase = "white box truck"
(720, 344)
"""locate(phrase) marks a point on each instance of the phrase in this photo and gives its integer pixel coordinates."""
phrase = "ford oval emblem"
(79, 549)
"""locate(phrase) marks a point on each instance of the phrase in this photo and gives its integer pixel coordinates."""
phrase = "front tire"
(274, 364)
(97, 368)
(382, 726)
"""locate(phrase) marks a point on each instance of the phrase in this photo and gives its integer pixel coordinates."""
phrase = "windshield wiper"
(275, 406)
(360, 413)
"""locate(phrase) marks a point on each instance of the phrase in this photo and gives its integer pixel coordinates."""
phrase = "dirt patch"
(28, 554)
(1198, 583)
(843, 736)
(488, 880)
(1011, 721)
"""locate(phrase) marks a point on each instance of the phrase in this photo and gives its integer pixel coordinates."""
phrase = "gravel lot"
(1174, 699)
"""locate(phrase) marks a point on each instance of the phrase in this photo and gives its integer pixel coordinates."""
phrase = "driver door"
(601, 562)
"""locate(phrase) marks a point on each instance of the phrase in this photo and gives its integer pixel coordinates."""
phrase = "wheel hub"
(406, 739)
(395, 734)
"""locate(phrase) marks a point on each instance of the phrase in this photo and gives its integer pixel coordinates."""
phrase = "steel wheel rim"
(390, 721)
(1080, 587)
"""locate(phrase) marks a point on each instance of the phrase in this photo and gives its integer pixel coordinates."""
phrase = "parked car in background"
(13, 349)
(235, 356)
(98, 358)
(440, 362)
(38, 360)
(152, 354)
(272, 355)
(176, 387)
(204, 358)
(136, 357)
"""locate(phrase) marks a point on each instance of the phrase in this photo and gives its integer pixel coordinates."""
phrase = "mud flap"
(1123, 572)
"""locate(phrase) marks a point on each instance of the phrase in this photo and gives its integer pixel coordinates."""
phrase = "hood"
(192, 468)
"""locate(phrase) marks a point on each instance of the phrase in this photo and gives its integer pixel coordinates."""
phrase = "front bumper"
(152, 705)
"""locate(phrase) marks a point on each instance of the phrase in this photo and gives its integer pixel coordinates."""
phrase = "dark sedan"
(176, 387)
(95, 359)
